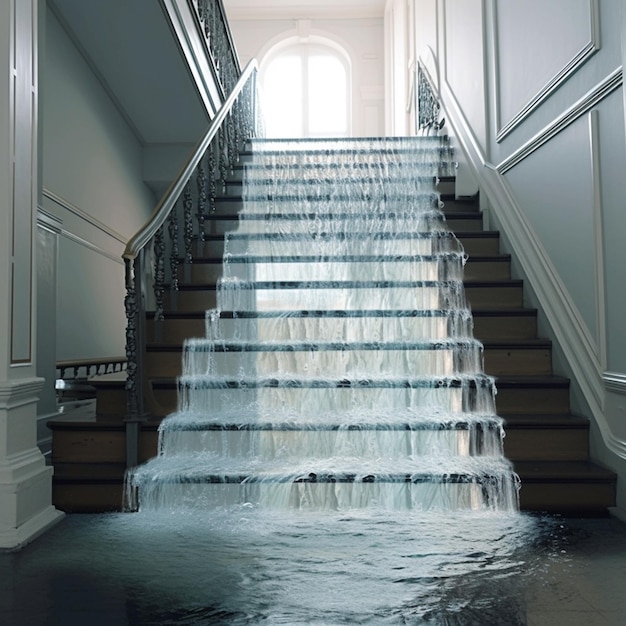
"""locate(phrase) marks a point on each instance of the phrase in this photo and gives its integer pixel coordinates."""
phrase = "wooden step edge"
(481, 312)
(218, 260)
(477, 234)
(453, 197)
(216, 216)
(502, 382)
(469, 283)
(488, 344)
(96, 425)
(495, 282)
(178, 315)
(534, 343)
(531, 382)
(466, 234)
(512, 312)
(552, 422)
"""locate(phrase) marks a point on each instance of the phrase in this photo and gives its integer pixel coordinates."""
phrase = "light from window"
(305, 93)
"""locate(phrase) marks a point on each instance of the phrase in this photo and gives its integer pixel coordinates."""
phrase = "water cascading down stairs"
(339, 368)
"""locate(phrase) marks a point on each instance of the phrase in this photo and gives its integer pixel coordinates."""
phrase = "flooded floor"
(244, 567)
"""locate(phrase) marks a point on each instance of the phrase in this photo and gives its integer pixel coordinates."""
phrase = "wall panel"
(531, 62)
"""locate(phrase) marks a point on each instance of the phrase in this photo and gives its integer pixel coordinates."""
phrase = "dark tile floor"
(93, 569)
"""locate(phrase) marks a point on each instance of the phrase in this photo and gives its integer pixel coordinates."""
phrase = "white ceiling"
(294, 9)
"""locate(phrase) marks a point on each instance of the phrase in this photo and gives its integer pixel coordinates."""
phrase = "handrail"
(169, 199)
(235, 122)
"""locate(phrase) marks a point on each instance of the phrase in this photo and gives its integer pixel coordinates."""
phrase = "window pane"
(282, 97)
(327, 95)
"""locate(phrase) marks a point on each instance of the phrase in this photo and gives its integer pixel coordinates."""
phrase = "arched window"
(306, 92)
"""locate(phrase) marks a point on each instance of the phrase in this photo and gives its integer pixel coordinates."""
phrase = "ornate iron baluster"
(232, 143)
(159, 273)
(222, 156)
(212, 177)
(131, 306)
(202, 201)
(135, 312)
(172, 228)
(188, 224)
(428, 106)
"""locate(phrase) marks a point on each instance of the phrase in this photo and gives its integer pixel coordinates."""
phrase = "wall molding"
(47, 220)
(569, 329)
(576, 62)
(91, 246)
(611, 82)
(92, 221)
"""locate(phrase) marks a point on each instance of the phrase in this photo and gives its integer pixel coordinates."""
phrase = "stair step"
(217, 224)
(566, 487)
(510, 357)
(205, 270)
(514, 323)
(479, 243)
(546, 437)
(229, 206)
(500, 357)
(96, 444)
(400, 325)
(459, 204)
(532, 395)
(88, 493)
(553, 487)
(175, 327)
(322, 294)
(494, 294)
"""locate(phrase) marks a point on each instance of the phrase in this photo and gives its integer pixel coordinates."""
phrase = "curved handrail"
(167, 202)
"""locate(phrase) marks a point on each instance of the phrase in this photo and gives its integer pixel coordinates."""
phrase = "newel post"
(134, 306)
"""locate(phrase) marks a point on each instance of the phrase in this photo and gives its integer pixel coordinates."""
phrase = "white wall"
(363, 40)
(547, 147)
(92, 180)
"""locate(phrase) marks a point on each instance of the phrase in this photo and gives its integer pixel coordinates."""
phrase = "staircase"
(547, 444)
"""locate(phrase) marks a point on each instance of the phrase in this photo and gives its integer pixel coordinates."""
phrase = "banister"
(236, 121)
(163, 209)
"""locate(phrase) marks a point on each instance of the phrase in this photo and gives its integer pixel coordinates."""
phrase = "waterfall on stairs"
(339, 369)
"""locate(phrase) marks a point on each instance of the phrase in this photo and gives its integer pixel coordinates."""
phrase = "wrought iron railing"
(81, 369)
(154, 256)
(428, 106)
(214, 24)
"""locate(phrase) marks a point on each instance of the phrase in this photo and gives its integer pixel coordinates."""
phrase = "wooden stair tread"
(531, 381)
(562, 471)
